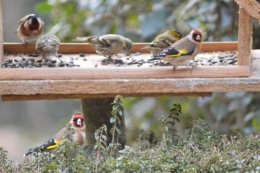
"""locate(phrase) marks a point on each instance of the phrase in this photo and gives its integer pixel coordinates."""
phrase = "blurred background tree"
(141, 21)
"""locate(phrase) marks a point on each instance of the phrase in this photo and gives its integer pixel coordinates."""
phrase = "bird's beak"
(198, 37)
(79, 122)
(35, 32)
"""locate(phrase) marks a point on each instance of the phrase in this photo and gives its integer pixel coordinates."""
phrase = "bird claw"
(25, 44)
(194, 64)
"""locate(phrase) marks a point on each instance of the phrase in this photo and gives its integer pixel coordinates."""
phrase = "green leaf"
(43, 7)
(112, 119)
(113, 112)
(255, 124)
(166, 128)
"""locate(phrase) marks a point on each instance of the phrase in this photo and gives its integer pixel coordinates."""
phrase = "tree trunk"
(97, 111)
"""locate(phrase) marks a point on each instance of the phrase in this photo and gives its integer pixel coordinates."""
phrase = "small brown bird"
(30, 27)
(182, 51)
(47, 45)
(78, 136)
(109, 44)
(163, 41)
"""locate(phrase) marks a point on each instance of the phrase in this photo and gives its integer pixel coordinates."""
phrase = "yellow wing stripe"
(181, 52)
(55, 145)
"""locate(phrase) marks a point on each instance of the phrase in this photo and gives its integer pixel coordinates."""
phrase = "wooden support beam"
(97, 111)
(251, 6)
(77, 96)
(244, 37)
(1, 35)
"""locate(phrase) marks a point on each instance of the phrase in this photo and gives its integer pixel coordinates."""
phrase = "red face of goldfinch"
(78, 121)
(196, 36)
(30, 27)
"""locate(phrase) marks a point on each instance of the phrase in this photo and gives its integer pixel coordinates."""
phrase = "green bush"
(199, 149)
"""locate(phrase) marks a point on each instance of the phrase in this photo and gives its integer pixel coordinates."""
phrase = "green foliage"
(141, 20)
(198, 149)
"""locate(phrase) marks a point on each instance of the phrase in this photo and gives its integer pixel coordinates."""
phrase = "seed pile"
(135, 60)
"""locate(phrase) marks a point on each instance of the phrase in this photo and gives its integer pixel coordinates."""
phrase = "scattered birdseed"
(52, 65)
(53, 61)
(82, 55)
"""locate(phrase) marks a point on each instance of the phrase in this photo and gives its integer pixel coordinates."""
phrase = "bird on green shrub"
(78, 136)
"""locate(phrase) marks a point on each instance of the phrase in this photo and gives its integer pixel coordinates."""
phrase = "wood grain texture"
(1, 34)
(244, 37)
(75, 48)
(251, 6)
(77, 96)
(123, 73)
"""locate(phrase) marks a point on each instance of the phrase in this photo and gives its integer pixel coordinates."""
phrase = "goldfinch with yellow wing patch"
(109, 44)
(182, 51)
(78, 136)
(30, 27)
(163, 41)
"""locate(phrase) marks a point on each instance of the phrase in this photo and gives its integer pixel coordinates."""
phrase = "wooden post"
(97, 111)
(1, 36)
(244, 37)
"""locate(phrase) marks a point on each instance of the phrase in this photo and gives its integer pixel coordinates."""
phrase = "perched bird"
(109, 44)
(78, 136)
(48, 44)
(30, 27)
(163, 41)
(182, 51)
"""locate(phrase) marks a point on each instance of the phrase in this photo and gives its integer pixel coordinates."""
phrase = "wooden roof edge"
(251, 6)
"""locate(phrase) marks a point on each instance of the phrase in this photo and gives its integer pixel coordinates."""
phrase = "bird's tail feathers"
(146, 47)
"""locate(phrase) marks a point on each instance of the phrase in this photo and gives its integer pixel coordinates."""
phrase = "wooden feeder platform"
(108, 81)
(94, 80)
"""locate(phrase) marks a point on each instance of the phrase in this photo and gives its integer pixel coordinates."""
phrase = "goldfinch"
(47, 44)
(182, 51)
(163, 41)
(30, 27)
(109, 44)
(78, 136)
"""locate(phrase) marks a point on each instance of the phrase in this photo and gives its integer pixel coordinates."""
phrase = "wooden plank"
(136, 87)
(1, 34)
(123, 73)
(244, 37)
(77, 96)
(43, 89)
(73, 48)
(251, 6)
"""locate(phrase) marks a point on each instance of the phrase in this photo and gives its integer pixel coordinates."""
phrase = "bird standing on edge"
(78, 136)
(163, 41)
(48, 44)
(109, 44)
(182, 51)
(30, 27)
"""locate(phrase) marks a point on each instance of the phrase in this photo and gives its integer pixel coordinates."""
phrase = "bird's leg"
(174, 67)
(58, 57)
(25, 44)
(194, 64)
(108, 59)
